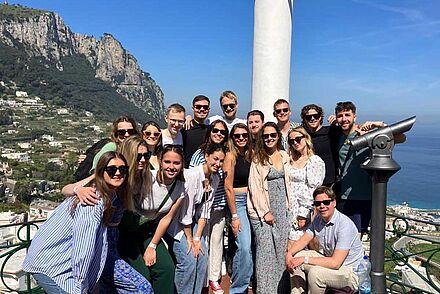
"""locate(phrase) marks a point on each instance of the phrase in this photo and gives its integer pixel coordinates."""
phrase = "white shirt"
(166, 140)
(229, 123)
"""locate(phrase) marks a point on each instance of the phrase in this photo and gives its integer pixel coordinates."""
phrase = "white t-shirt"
(166, 140)
(150, 204)
(229, 123)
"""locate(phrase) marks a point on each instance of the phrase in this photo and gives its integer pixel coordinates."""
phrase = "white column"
(271, 60)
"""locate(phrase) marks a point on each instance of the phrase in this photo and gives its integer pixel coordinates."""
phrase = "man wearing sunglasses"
(175, 120)
(195, 135)
(229, 104)
(323, 139)
(281, 111)
(342, 249)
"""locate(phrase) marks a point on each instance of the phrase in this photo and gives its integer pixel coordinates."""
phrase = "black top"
(325, 143)
(192, 139)
(83, 170)
(241, 173)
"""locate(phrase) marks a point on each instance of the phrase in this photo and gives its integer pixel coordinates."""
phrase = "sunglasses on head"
(309, 117)
(218, 131)
(111, 170)
(122, 132)
(317, 203)
(231, 106)
(296, 140)
(271, 135)
(199, 107)
(238, 136)
(148, 134)
(284, 110)
(145, 155)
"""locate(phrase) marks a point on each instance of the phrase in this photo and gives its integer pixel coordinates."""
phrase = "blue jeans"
(190, 272)
(242, 265)
(48, 285)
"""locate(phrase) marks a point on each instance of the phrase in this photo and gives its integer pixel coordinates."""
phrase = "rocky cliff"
(44, 34)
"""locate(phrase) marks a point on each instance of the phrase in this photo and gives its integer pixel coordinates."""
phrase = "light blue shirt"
(339, 233)
(71, 246)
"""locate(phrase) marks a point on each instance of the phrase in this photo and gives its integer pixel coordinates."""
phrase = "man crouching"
(338, 238)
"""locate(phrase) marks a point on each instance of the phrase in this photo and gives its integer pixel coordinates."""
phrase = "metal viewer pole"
(381, 166)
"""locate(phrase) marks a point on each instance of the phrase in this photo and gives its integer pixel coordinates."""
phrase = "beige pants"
(319, 278)
(217, 225)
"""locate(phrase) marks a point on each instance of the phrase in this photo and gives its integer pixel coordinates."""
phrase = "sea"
(418, 181)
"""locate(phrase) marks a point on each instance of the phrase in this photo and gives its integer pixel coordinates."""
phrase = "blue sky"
(383, 55)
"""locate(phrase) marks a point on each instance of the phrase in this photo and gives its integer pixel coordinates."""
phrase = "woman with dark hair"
(141, 242)
(190, 248)
(76, 246)
(217, 133)
(152, 135)
(236, 167)
(268, 207)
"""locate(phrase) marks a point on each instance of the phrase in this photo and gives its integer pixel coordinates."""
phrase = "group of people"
(149, 210)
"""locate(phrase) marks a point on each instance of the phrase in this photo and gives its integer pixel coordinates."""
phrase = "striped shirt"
(220, 195)
(71, 248)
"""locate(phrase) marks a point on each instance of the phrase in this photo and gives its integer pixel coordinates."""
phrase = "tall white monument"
(272, 50)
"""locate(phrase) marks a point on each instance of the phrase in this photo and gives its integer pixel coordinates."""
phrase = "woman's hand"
(150, 256)
(190, 246)
(236, 226)
(87, 195)
(197, 248)
(268, 218)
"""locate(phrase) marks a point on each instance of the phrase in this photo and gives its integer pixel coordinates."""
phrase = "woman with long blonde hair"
(307, 172)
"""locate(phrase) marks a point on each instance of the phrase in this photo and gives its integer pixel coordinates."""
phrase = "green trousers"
(133, 241)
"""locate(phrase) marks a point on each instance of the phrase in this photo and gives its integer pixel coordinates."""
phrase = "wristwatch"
(306, 260)
(152, 245)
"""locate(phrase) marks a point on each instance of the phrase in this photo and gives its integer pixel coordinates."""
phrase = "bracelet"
(195, 238)
(306, 260)
(152, 245)
(234, 215)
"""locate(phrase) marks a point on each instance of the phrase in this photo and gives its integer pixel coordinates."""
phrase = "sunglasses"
(226, 106)
(284, 110)
(309, 117)
(122, 132)
(238, 136)
(218, 131)
(148, 134)
(199, 107)
(145, 155)
(111, 170)
(271, 135)
(317, 203)
(296, 140)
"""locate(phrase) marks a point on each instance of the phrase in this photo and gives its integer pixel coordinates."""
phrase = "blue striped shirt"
(71, 248)
(219, 203)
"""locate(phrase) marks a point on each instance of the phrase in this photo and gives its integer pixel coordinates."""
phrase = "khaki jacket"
(258, 196)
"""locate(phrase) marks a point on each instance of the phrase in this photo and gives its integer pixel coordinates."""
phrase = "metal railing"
(416, 268)
(9, 250)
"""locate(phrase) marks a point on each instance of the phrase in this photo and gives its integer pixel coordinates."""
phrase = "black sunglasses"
(148, 134)
(317, 203)
(122, 132)
(309, 117)
(271, 135)
(296, 140)
(112, 169)
(204, 107)
(146, 156)
(231, 106)
(238, 136)
(278, 111)
(222, 132)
